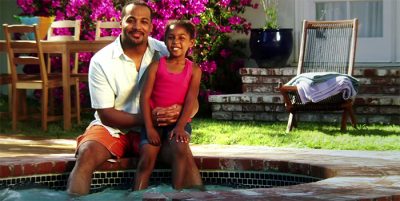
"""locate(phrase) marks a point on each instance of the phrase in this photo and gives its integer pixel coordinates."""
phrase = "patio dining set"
(23, 51)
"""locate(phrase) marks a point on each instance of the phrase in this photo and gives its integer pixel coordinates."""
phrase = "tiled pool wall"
(233, 172)
(124, 179)
(35, 166)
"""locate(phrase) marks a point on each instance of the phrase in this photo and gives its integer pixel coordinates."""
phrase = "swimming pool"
(227, 172)
(346, 175)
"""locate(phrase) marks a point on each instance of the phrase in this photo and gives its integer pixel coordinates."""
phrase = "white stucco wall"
(397, 21)
(8, 8)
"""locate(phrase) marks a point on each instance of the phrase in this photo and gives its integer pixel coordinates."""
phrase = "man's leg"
(192, 174)
(90, 155)
(148, 157)
(179, 158)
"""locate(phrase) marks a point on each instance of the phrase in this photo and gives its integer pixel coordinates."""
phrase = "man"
(115, 77)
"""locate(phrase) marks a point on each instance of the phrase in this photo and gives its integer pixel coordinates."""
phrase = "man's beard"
(131, 41)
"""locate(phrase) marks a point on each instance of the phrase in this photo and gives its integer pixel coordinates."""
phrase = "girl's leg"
(148, 156)
(185, 173)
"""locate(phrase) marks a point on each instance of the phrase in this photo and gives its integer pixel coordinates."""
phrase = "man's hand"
(166, 115)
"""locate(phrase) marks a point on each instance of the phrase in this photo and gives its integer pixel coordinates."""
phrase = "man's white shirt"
(114, 81)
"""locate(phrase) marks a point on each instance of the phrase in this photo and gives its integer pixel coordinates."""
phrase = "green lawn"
(308, 135)
(209, 131)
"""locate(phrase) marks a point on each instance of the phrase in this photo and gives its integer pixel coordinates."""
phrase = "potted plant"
(271, 45)
(37, 12)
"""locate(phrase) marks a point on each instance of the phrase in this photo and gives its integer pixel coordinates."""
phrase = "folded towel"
(317, 77)
(315, 87)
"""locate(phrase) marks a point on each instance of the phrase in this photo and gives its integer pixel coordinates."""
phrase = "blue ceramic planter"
(271, 47)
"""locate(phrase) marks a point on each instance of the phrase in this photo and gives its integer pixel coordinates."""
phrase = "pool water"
(44, 194)
(115, 185)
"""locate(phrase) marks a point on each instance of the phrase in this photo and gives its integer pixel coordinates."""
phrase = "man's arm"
(119, 119)
(164, 116)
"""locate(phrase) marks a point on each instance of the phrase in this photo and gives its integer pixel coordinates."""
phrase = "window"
(377, 24)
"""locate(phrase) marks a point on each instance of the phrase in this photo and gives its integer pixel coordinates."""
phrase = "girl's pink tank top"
(170, 88)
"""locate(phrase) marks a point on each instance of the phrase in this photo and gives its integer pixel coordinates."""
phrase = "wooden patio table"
(65, 48)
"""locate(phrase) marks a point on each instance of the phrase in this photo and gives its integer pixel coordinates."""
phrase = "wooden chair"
(5, 79)
(20, 53)
(326, 46)
(106, 25)
(75, 25)
(72, 24)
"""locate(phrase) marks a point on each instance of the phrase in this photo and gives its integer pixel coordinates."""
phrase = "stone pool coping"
(351, 175)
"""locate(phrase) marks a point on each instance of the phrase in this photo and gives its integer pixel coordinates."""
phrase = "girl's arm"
(145, 95)
(190, 102)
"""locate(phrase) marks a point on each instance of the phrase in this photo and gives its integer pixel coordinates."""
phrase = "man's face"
(136, 24)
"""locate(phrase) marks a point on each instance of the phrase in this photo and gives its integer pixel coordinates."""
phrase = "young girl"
(174, 80)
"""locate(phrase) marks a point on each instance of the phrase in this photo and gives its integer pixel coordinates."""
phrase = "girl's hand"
(153, 137)
(180, 135)
(166, 115)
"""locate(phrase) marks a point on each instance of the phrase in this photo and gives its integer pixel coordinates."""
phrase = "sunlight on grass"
(209, 131)
(308, 135)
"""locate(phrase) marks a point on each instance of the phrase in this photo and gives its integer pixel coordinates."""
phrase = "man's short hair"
(136, 3)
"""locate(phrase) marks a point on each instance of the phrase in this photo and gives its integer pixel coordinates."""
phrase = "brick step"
(378, 100)
(304, 117)
(260, 88)
(369, 108)
(362, 89)
(291, 71)
(271, 79)
(372, 81)
(275, 98)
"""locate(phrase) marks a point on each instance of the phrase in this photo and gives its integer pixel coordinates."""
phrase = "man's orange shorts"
(125, 145)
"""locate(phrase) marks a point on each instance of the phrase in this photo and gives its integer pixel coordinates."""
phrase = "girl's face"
(178, 41)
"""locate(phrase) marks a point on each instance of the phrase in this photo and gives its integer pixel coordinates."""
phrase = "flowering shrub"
(39, 7)
(216, 54)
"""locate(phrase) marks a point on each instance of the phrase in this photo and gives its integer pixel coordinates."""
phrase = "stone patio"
(350, 175)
